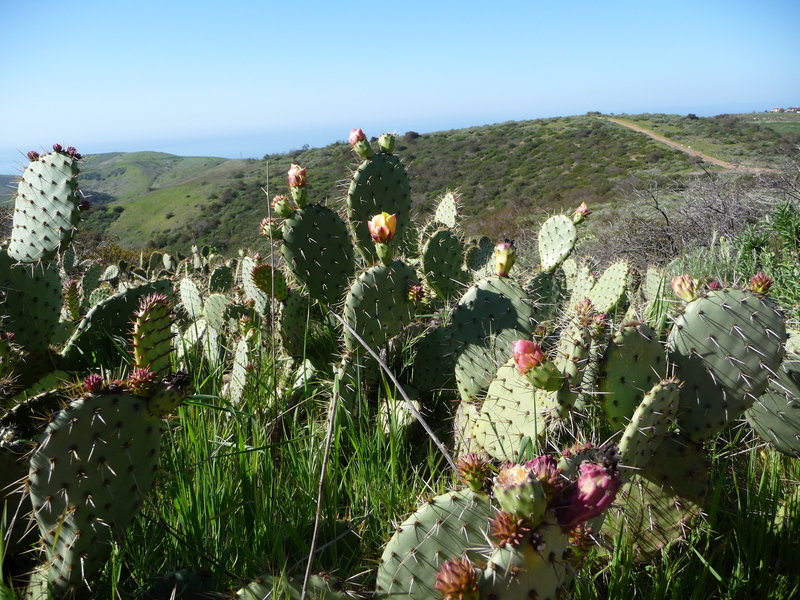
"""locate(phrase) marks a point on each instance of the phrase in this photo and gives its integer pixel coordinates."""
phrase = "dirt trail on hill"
(694, 153)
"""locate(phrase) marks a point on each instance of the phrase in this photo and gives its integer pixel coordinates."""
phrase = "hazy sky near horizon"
(243, 77)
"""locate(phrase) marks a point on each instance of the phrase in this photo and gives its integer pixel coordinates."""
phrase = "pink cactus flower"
(382, 228)
(580, 214)
(297, 176)
(457, 579)
(356, 135)
(545, 469)
(714, 285)
(527, 354)
(592, 493)
(93, 383)
(684, 287)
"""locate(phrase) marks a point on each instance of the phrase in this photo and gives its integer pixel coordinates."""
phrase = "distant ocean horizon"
(256, 145)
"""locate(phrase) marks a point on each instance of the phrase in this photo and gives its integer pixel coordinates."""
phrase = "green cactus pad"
(240, 372)
(447, 210)
(441, 263)
(546, 291)
(377, 305)
(318, 252)
(478, 256)
(270, 281)
(649, 426)
(259, 299)
(445, 527)
(152, 335)
(433, 362)
(220, 280)
(292, 321)
(267, 587)
(726, 347)
(490, 317)
(191, 298)
(633, 363)
(46, 209)
(30, 301)
(649, 517)
(512, 412)
(609, 291)
(104, 330)
(581, 286)
(681, 466)
(95, 463)
(215, 310)
(379, 185)
(775, 416)
(525, 571)
(557, 237)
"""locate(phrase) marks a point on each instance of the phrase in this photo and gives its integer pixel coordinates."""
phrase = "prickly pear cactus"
(380, 184)
(445, 527)
(609, 291)
(775, 416)
(441, 259)
(633, 363)
(492, 314)
(30, 301)
(46, 209)
(318, 252)
(152, 335)
(513, 415)
(446, 211)
(726, 346)
(557, 238)
(94, 464)
(649, 425)
(378, 306)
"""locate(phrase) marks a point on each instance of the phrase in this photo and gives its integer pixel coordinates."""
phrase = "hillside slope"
(506, 174)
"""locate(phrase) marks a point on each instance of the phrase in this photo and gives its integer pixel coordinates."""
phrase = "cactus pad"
(95, 463)
(441, 260)
(318, 252)
(377, 305)
(609, 291)
(445, 527)
(726, 345)
(775, 416)
(649, 425)
(557, 237)
(46, 210)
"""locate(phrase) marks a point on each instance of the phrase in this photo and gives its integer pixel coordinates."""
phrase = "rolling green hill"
(506, 175)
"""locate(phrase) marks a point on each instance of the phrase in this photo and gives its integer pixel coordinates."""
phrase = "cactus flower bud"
(71, 151)
(386, 142)
(360, 143)
(593, 492)
(760, 283)
(141, 381)
(271, 228)
(714, 285)
(382, 228)
(545, 469)
(33, 155)
(416, 293)
(505, 255)
(509, 530)
(580, 214)
(58, 147)
(527, 355)
(283, 206)
(684, 287)
(298, 181)
(297, 176)
(473, 471)
(94, 383)
(457, 580)
(518, 491)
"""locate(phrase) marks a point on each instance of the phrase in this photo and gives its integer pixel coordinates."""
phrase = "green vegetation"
(506, 175)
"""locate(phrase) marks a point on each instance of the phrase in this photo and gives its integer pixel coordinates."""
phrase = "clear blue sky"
(246, 77)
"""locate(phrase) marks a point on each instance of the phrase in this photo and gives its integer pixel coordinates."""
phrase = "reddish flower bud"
(58, 148)
(356, 135)
(283, 206)
(580, 214)
(545, 469)
(361, 144)
(416, 293)
(592, 493)
(94, 383)
(473, 471)
(457, 580)
(760, 283)
(714, 285)
(33, 155)
(508, 529)
(297, 176)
